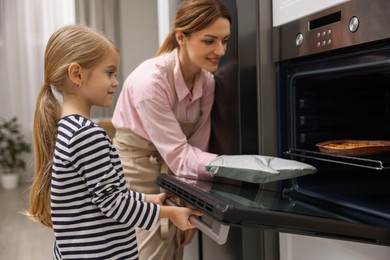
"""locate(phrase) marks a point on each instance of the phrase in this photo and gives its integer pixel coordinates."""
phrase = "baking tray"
(354, 147)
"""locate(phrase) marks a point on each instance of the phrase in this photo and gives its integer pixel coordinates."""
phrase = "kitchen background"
(138, 26)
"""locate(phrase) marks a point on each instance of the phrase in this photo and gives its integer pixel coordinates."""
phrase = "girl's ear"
(74, 73)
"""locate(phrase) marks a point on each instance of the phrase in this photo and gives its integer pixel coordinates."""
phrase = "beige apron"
(142, 164)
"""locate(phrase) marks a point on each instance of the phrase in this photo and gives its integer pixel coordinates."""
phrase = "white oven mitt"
(257, 168)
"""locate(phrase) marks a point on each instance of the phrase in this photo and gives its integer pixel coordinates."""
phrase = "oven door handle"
(216, 231)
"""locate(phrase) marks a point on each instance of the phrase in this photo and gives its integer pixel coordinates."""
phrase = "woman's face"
(203, 49)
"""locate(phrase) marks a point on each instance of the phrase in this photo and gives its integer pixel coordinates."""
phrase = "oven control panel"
(325, 36)
(351, 23)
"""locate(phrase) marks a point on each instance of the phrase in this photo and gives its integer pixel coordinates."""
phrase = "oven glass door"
(248, 205)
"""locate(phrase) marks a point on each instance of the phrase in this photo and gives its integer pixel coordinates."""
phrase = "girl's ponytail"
(47, 114)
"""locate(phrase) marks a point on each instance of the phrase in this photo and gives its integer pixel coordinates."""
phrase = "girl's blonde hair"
(193, 16)
(72, 43)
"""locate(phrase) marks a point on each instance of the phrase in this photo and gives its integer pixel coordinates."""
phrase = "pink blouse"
(145, 106)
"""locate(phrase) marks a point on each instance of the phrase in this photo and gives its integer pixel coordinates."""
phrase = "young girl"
(79, 187)
(162, 115)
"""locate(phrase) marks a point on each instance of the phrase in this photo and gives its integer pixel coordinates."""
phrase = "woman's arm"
(164, 131)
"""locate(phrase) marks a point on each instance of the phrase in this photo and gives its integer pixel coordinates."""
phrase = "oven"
(332, 82)
(333, 75)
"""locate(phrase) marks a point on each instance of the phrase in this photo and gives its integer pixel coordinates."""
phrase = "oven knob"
(353, 24)
(299, 39)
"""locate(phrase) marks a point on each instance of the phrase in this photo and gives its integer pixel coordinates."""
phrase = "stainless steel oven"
(332, 73)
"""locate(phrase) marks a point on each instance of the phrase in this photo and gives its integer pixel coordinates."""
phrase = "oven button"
(353, 24)
(299, 39)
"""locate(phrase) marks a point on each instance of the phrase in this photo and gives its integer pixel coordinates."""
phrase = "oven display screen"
(325, 20)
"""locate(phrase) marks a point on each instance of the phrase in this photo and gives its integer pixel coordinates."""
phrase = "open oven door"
(249, 205)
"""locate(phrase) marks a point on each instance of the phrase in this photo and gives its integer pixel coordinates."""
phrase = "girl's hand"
(179, 216)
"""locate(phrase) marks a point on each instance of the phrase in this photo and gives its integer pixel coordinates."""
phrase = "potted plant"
(12, 146)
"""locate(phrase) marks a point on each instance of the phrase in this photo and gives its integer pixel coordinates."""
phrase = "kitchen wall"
(138, 32)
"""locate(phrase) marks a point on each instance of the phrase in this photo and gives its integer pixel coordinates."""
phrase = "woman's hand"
(187, 237)
(157, 198)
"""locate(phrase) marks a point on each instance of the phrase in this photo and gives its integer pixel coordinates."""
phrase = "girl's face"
(101, 82)
(204, 48)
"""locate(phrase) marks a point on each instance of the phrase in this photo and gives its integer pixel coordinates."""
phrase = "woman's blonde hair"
(72, 43)
(193, 16)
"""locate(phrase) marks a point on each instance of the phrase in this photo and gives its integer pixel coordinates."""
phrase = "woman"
(162, 115)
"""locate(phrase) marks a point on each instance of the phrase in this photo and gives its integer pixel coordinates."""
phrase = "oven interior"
(339, 95)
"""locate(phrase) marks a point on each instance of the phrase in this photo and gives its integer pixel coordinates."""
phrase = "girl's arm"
(98, 165)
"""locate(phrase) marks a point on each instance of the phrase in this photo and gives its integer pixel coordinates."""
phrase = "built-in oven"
(332, 83)
(333, 78)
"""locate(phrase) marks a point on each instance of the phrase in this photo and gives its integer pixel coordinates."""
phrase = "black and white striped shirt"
(94, 214)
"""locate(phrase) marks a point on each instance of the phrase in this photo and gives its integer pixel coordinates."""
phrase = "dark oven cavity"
(343, 94)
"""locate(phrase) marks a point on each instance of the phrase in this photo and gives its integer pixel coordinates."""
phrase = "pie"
(354, 147)
(351, 145)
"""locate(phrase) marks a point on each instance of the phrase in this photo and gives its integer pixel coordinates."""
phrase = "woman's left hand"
(157, 198)
(188, 236)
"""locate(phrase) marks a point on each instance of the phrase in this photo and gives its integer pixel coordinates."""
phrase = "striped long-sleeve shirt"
(94, 215)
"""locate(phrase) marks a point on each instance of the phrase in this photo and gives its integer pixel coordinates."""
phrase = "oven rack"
(341, 159)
